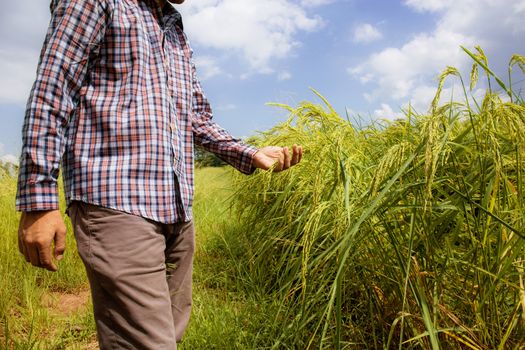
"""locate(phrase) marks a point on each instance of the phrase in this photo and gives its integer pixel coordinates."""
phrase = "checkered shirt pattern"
(118, 104)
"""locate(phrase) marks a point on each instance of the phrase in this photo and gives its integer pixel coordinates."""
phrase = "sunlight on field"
(44, 310)
(39, 308)
(402, 234)
(405, 234)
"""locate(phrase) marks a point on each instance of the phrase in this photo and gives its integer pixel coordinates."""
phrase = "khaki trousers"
(140, 272)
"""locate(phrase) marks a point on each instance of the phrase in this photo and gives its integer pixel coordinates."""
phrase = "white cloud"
(226, 107)
(23, 26)
(314, 3)
(408, 72)
(284, 75)
(428, 5)
(258, 31)
(207, 67)
(10, 158)
(366, 33)
(17, 71)
(23, 23)
(7, 158)
(251, 74)
(386, 112)
(519, 6)
(397, 71)
(422, 97)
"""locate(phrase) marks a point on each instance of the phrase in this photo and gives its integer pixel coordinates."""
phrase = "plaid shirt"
(118, 102)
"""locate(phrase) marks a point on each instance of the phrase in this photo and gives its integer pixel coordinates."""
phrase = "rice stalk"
(406, 234)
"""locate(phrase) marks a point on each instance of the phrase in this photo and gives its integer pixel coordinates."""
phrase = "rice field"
(404, 234)
(407, 234)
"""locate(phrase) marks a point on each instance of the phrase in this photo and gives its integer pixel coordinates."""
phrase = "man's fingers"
(279, 164)
(22, 247)
(295, 155)
(25, 252)
(44, 253)
(40, 255)
(32, 254)
(277, 158)
(21, 244)
(286, 160)
(60, 244)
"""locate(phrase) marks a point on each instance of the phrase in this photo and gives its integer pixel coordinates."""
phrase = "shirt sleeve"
(76, 27)
(214, 138)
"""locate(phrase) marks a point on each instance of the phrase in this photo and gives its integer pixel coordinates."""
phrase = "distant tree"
(204, 158)
(8, 168)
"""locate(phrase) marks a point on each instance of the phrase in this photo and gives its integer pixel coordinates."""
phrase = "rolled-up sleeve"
(214, 138)
(76, 27)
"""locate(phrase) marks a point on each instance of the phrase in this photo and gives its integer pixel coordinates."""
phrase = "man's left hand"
(277, 157)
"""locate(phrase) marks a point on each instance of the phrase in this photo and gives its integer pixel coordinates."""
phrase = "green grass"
(408, 235)
(224, 317)
(26, 320)
(401, 235)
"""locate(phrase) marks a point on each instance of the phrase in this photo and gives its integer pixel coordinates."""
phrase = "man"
(117, 102)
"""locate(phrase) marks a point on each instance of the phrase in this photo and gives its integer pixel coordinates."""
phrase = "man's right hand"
(277, 157)
(36, 232)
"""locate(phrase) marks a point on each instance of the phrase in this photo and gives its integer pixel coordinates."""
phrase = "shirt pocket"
(127, 43)
(123, 63)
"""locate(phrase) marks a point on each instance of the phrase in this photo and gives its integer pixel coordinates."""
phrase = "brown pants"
(140, 276)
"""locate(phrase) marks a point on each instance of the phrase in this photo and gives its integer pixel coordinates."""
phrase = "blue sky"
(370, 57)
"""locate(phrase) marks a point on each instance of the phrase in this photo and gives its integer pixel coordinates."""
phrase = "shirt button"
(173, 126)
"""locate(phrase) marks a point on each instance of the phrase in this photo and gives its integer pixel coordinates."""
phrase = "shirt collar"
(167, 14)
(172, 17)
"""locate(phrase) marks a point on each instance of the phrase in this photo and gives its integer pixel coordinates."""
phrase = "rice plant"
(408, 235)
